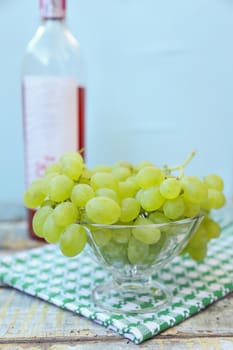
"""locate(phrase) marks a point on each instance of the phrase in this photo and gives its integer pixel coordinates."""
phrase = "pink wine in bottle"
(53, 90)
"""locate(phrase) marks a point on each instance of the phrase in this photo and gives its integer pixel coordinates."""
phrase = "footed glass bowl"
(133, 254)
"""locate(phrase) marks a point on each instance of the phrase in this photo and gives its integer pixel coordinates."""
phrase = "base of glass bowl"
(131, 297)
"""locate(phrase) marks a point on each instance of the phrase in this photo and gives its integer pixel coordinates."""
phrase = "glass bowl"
(133, 254)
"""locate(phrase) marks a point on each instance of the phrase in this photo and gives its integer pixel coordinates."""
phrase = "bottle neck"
(52, 9)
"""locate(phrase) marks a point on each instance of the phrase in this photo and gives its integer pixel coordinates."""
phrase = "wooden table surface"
(30, 323)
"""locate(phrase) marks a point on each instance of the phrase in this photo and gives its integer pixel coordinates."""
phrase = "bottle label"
(53, 8)
(51, 125)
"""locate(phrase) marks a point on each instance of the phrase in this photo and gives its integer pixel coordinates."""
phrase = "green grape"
(138, 195)
(130, 209)
(107, 192)
(121, 235)
(191, 209)
(214, 181)
(174, 208)
(51, 231)
(194, 190)
(103, 210)
(197, 246)
(142, 165)
(149, 176)
(59, 188)
(170, 188)
(121, 173)
(212, 228)
(124, 164)
(48, 203)
(101, 236)
(65, 213)
(199, 236)
(158, 218)
(81, 194)
(151, 199)
(128, 188)
(53, 168)
(39, 218)
(85, 176)
(35, 194)
(215, 200)
(72, 165)
(145, 234)
(155, 249)
(114, 253)
(102, 180)
(102, 169)
(73, 240)
(199, 252)
(137, 251)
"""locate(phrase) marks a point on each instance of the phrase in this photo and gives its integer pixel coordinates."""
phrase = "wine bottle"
(53, 91)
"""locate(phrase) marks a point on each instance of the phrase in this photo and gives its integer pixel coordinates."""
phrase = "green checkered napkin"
(47, 274)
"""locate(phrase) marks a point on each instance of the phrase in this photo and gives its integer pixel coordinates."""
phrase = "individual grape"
(124, 164)
(39, 218)
(212, 228)
(102, 169)
(130, 209)
(103, 210)
(137, 251)
(144, 233)
(198, 253)
(155, 249)
(85, 176)
(35, 194)
(72, 165)
(51, 231)
(121, 235)
(73, 240)
(191, 209)
(158, 218)
(197, 246)
(65, 213)
(107, 192)
(59, 188)
(81, 194)
(170, 188)
(48, 203)
(194, 190)
(214, 181)
(143, 164)
(121, 173)
(138, 195)
(215, 200)
(174, 208)
(149, 176)
(53, 168)
(101, 236)
(114, 253)
(101, 180)
(128, 188)
(151, 199)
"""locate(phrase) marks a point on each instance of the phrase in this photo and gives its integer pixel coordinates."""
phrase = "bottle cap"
(52, 8)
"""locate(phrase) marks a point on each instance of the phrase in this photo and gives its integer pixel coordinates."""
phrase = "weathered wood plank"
(159, 344)
(25, 317)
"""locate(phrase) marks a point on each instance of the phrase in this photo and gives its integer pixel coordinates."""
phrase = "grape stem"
(181, 166)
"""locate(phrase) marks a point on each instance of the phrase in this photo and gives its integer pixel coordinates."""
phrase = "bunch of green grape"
(71, 194)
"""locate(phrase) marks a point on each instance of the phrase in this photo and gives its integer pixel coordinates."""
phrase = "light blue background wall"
(160, 79)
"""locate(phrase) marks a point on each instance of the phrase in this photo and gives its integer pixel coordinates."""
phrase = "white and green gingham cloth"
(45, 273)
